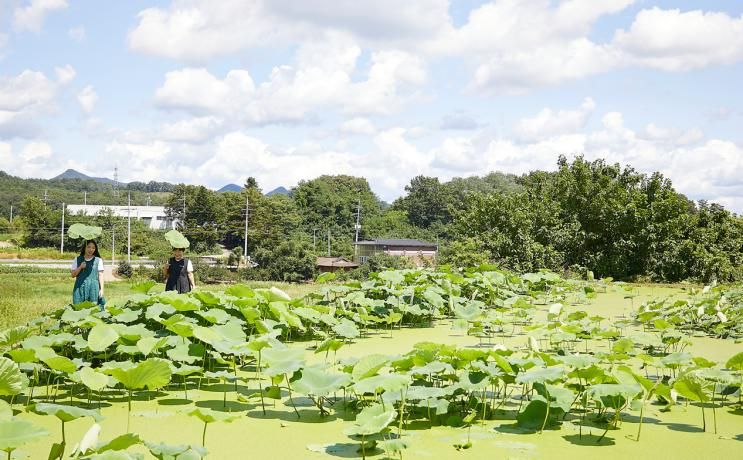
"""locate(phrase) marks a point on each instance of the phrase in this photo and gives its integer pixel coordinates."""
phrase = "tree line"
(587, 215)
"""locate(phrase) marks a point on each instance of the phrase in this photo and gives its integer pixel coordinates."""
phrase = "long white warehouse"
(153, 216)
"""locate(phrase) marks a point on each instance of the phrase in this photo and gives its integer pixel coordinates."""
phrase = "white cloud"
(549, 123)
(459, 121)
(198, 30)
(194, 130)
(675, 41)
(321, 78)
(35, 159)
(77, 33)
(23, 98)
(87, 98)
(65, 74)
(358, 125)
(32, 16)
(198, 91)
(518, 45)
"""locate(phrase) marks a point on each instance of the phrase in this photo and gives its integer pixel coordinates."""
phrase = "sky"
(212, 92)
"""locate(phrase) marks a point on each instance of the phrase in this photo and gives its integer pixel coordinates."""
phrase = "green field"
(527, 338)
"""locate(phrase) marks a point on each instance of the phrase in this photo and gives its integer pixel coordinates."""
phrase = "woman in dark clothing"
(179, 273)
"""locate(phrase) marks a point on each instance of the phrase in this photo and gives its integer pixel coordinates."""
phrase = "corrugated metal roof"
(335, 262)
(397, 242)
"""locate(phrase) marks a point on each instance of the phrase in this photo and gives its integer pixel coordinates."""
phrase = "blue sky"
(213, 92)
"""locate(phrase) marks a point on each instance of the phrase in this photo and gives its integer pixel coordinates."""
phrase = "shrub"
(125, 269)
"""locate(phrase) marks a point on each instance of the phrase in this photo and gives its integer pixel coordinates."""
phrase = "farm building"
(334, 264)
(416, 250)
(153, 216)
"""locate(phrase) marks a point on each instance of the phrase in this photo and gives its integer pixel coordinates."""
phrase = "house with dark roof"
(334, 264)
(418, 251)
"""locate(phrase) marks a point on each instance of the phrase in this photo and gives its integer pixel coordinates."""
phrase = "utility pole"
(46, 196)
(183, 224)
(328, 241)
(358, 221)
(113, 245)
(314, 240)
(247, 210)
(129, 230)
(11, 213)
(61, 241)
(85, 198)
(116, 181)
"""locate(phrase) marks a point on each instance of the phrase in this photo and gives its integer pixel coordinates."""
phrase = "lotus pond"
(411, 364)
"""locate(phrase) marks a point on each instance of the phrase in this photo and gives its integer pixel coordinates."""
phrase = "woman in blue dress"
(87, 269)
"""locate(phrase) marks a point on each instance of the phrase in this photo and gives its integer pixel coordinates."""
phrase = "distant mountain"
(230, 188)
(278, 191)
(72, 174)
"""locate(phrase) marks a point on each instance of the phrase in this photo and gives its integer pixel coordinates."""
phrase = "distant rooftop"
(397, 242)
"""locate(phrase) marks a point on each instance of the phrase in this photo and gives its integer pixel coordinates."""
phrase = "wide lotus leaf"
(153, 373)
(578, 361)
(11, 380)
(434, 367)
(86, 232)
(101, 337)
(240, 290)
(282, 361)
(148, 345)
(379, 383)
(281, 312)
(557, 396)
(66, 413)
(320, 382)
(693, 387)
(177, 452)
(6, 412)
(676, 359)
(468, 312)
(177, 240)
(179, 325)
(209, 299)
(183, 353)
(329, 345)
(372, 420)
(14, 336)
(368, 365)
(273, 295)
(614, 395)
(347, 329)
(60, 364)
(215, 316)
(93, 379)
(210, 416)
(16, 432)
(736, 362)
(541, 375)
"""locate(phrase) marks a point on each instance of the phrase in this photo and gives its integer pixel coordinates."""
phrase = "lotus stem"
(289, 387)
(546, 416)
(203, 435)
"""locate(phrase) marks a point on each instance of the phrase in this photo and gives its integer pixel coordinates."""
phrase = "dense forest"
(584, 216)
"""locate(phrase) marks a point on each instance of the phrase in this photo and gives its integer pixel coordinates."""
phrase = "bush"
(125, 269)
(212, 274)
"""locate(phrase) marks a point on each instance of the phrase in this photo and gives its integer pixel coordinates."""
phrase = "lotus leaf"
(66, 413)
(320, 382)
(101, 337)
(11, 379)
(86, 232)
(372, 420)
(368, 366)
(16, 432)
(153, 373)
(177, 240)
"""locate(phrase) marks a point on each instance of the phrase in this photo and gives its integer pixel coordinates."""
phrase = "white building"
(153, 216)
